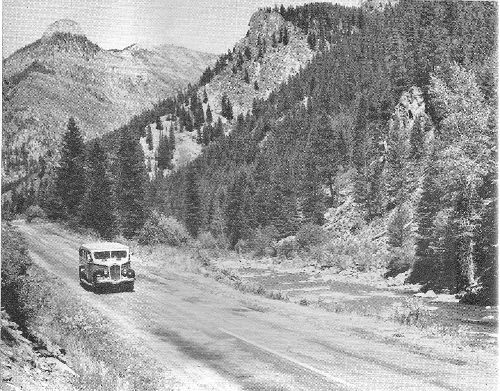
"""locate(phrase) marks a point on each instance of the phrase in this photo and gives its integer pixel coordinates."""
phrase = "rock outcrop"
(271, 62)
(65, 26)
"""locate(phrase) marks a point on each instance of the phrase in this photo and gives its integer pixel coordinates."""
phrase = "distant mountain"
(64, 74)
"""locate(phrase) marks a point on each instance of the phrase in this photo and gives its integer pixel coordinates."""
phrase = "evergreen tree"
(285, 36)
(171, 137)
(208, 115)
(313, 207)
(205, 96)
(256, 85)
(208, 134)
(417, 138)
(159, 124)
(131, 186)
(164, 154)
(218, 131)
(198, 114)
(149, 138)
(50, 198)
(425, 268)
(71, 173)
(227, 108)
(235, 213)
(248, 53)
(98, 212)
(246, 78)
(192, 202)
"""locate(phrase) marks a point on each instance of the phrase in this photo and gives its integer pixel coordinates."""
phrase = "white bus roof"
(104, 246)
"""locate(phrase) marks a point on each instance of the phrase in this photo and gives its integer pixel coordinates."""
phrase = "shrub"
(310, 235)
(207, 241)
(160, 229)
(400, 261)
(410, 312)
(263, 239)
(15, 264)
(34, 212)
(287, 247)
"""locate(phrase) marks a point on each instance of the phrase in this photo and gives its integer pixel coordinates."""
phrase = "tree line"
(93, 190)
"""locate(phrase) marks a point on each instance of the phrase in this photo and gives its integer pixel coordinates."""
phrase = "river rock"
(430, 294)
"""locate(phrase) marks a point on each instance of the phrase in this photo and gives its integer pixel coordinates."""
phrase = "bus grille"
(114, 272)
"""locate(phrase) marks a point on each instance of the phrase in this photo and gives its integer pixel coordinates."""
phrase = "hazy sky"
(207, 25)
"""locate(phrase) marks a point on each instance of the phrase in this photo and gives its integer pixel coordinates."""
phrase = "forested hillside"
(382, 145)
(392, 125)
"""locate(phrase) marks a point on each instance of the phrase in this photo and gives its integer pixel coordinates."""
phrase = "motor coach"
(104, 265)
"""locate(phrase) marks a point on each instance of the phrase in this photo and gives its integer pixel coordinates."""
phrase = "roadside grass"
(52, 317)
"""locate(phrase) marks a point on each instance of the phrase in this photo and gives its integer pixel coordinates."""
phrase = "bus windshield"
(101, 254)
(110, 254)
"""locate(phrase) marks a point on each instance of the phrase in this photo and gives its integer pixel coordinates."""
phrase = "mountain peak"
(63, 26)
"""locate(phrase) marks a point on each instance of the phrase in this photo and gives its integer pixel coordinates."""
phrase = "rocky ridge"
(64, 74)
(277, 63)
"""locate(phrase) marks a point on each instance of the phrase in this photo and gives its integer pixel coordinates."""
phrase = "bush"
(287, 247)
(207, 241)
(15, 264)
(410, 312)
(160, 229)
(310, 235)
(400, 261)
(263, 239)
(34, 212)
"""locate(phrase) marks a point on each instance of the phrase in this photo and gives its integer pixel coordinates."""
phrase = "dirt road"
(209, 337)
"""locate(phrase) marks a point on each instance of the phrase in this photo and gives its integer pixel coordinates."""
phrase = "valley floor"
(205, 335)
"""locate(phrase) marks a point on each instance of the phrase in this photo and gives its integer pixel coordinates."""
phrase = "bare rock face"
(63, 26)
(271, 62)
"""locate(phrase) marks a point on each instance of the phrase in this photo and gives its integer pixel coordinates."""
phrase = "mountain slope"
(272, 51)
(63, 74)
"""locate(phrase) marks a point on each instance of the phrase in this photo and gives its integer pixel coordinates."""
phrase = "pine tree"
(205, 96)
(235, 213)
(164, 154)
(248, 53)
(208, 115)
(417, 138)
(256, 85)
(198, 114)
(50, 198)
(218, 129)
(71, 173)
(149, 138)
(207, 134)
(285, 36)
(98, 212)
(312, 206)
(192, 202)
(159, 124)
(246, 78)
(227, 108)
(171, 137)
(425, 268)
(131, 186)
